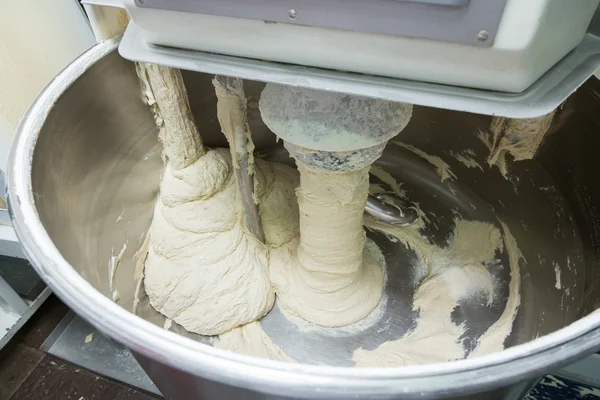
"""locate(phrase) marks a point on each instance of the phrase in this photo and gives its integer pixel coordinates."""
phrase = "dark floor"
(26, 372)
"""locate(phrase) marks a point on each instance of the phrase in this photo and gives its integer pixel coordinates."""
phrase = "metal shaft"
(231, 111)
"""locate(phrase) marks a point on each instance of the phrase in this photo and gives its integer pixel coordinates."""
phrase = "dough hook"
(391, 208)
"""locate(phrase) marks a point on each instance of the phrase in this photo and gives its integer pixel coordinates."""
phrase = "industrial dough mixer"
(451, 166)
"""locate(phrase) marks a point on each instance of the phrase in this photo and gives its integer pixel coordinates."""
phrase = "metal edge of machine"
(488, 372)
(14, 310)
(545, 95)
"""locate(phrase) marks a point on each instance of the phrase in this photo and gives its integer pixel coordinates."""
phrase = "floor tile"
(17, 362)
(54, 379)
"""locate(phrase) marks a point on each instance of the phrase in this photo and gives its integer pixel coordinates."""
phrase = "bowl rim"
(495, 370)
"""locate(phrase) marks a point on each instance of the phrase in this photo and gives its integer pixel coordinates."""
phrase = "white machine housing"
(530, 38)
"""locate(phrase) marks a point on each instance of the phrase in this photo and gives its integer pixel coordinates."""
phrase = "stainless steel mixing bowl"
(83, 176)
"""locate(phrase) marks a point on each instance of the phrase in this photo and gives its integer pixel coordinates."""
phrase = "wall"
(38, 38)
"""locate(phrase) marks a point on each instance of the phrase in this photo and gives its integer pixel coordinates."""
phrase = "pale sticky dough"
(520, 138)
(206, 272)
(204, 269)
(193, 235)
(453, 273)
(326, 276)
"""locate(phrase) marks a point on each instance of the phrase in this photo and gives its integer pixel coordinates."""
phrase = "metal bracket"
(10, 300)
(4, 216)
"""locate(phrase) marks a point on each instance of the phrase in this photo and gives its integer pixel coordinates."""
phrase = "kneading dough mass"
(326, 276)
(206, 272)
(204, 269)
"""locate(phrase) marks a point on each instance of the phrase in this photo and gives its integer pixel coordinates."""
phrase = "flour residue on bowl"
(455, 272)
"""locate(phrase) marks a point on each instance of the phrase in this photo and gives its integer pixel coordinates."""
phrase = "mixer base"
(100, 354)
(106, 357)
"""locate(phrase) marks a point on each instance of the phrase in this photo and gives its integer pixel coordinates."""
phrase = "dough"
(454, 272)
(493, 339)
(520, 138)
(208, 274)
(326, 276)
(251, 340)
(441, 167)
(204, 270)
